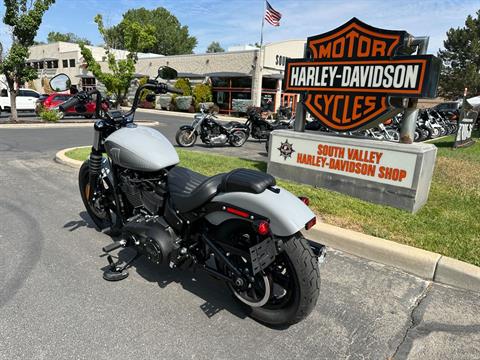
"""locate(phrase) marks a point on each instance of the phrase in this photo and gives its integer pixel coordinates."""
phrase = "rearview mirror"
(60, 82)
(167, 73)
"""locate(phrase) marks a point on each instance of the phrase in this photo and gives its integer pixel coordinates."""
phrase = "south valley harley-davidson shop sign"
(354, 73)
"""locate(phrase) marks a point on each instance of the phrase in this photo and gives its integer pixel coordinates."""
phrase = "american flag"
(272, 16)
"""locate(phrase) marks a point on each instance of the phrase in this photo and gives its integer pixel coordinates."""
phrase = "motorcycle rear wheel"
(186, 137)
(238, 138)
(287, 291)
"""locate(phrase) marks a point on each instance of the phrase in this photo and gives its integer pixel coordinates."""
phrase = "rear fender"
(287, 213)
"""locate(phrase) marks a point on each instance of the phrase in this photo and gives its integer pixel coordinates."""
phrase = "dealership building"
(241, 73)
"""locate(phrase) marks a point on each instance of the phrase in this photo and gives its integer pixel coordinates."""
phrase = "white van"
(26, 100)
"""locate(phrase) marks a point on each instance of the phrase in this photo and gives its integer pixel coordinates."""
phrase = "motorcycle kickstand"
(118, 270)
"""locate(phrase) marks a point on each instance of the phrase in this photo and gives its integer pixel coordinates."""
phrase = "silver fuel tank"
(140, 148)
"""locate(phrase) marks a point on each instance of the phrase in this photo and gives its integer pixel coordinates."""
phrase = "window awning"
(274, 76)
(189, 75)
(227, 74)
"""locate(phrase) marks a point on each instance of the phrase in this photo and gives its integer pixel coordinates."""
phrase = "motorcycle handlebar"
(173, 89)
(75, 100)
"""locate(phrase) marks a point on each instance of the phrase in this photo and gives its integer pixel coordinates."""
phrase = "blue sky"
(234, 22)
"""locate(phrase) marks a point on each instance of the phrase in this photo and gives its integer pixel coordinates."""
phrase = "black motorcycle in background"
(211, 131)
(260, 128)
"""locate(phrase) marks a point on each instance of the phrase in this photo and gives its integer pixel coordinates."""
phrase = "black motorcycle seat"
(231, 124)
(190, 190)
(246, 180)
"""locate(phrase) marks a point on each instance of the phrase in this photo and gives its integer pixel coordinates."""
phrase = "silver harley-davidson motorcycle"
(238, 226)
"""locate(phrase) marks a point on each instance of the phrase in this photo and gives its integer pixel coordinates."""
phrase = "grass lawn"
(448, 224)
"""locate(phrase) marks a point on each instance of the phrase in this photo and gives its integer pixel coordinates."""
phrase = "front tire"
(102, 217)
(186, 137)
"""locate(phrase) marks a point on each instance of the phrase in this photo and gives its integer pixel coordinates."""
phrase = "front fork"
(95, 162)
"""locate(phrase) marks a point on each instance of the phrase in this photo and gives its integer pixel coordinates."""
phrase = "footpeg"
(113, 246)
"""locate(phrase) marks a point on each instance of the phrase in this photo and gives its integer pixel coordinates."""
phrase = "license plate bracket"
(262, 255)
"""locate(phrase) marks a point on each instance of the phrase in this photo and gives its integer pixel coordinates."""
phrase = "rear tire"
(285, 292)
(306, 278)
(238, 138)
(186, 137)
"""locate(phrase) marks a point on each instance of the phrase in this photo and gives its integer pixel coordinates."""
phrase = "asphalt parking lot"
(54, 303)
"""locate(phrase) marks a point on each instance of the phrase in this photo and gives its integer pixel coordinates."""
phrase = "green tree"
(55, 36)
(171, 37)
(215, 47)
(121, 72)
(461, 60)
(24, 18)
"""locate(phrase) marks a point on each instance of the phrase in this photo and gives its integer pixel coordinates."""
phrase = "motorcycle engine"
(212, 135)
(144, 192)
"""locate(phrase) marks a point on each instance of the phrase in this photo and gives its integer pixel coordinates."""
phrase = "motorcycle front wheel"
(238, 138)
(186, 137)
(95, 204)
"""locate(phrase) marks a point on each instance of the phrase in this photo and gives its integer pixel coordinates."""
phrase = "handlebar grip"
(174, 90)
(69, 103)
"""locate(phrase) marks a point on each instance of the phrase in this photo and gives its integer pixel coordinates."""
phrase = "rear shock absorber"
(95, 169)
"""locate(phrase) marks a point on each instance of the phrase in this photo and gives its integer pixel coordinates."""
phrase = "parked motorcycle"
(211, 131)
(239, 226)
(260, 128)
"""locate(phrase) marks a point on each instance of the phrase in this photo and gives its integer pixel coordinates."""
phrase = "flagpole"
(263, 23)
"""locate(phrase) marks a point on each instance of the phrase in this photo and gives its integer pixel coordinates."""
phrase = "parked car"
(55, 99)
(26, 100)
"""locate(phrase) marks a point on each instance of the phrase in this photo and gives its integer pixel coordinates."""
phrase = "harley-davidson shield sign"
(354, 72)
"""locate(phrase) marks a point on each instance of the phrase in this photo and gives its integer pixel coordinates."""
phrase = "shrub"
(184, 84)
(202, 93)
(183, 102)
(50, 115)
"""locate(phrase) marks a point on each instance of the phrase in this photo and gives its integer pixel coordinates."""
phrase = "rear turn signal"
(305, 200)
(262, 227)
(310, 224)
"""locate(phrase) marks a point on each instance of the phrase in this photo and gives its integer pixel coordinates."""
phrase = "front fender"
(287, 213)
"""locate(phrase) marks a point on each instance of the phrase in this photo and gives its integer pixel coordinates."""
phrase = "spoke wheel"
(186, 137)
(238, 138)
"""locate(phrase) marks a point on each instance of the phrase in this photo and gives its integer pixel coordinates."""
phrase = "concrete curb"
(64, 125)
(61, 158)
(425, 264)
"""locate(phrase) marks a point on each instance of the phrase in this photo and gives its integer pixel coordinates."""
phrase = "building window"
(72, 62)
(88, 84)
(242, 82)
(55, 64)
(269, 83)
(65, 63)
(220, 82)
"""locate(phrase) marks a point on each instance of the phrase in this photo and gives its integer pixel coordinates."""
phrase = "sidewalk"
(184, 114)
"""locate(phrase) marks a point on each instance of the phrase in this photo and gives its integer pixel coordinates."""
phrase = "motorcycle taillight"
(311, 223)
(305, 200)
